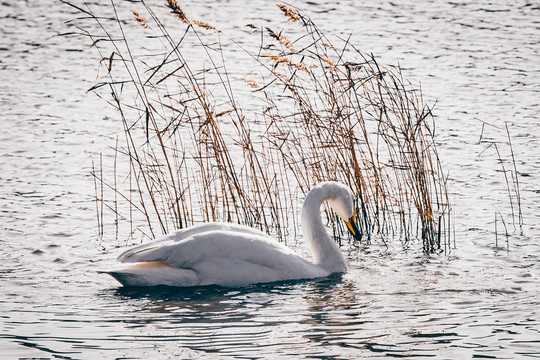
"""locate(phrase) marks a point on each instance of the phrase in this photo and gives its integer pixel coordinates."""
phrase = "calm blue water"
(480, 62)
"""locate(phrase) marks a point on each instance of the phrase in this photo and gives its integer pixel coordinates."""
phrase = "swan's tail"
(152, 274)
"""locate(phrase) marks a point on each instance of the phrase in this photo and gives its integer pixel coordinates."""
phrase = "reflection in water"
(214, 319)
(324, 318)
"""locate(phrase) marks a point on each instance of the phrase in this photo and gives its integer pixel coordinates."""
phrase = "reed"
(506, 159)
(328, 112)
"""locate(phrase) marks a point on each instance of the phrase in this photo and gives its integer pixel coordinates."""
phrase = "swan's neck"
(324, 250)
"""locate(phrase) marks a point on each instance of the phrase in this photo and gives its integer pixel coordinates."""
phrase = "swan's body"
(235, 255)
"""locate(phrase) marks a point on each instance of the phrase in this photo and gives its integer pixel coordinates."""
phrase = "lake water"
(479, 60)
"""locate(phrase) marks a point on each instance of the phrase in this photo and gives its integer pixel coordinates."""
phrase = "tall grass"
(511, 175)
(317, 110)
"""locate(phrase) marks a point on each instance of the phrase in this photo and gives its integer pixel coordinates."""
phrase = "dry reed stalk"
(98, 217)
(508, 188)
(515, 178)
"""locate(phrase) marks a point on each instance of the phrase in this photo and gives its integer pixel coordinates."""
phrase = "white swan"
(234, 255)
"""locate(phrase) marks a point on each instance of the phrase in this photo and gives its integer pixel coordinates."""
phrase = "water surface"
(480, 62)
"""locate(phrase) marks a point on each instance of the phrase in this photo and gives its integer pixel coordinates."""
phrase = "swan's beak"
(353, 229)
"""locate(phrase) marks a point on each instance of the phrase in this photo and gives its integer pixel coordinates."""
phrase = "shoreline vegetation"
(318, 110)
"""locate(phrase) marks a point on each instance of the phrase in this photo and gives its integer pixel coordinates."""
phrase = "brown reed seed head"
(204, 25)
(278, 59)
(286, 42)
(250, 82)
(281, 38)
(140, 20)
(288, 12)
(177, 11)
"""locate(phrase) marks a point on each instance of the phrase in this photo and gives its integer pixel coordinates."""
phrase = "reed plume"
(140, 20)
(288, 12)
(281, 39)
(177, 11)
(250, 82)
(204, 25)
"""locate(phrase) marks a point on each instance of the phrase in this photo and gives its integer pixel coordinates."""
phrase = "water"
(480, 61)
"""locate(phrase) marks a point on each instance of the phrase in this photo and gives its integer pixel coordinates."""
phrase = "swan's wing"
(129, 255)
(216, 246)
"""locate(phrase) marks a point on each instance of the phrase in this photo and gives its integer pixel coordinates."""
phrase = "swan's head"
(342, 202)
(341, 199)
